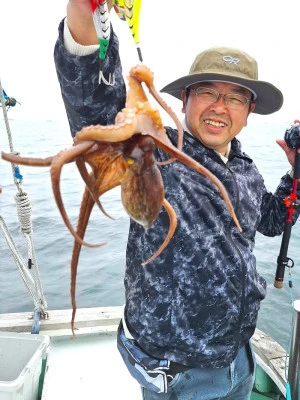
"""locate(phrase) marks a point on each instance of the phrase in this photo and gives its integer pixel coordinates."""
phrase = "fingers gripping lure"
(102, 26)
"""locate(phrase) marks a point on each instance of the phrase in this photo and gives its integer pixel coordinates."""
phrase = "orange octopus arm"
(173, 225)
(55, 171)
(34, 162)
(114, 172)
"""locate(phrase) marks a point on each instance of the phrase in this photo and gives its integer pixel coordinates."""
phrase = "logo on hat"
(231, 60)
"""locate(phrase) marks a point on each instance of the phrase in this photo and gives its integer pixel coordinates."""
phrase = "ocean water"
(101, 270)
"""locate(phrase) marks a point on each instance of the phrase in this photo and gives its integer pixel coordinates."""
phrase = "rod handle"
(282, 259)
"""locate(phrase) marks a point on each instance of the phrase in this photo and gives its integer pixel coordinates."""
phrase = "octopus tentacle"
(171, 113)
(124, 130)
(172, 228)
(136, 93)
(34, 162)
(56, 168)
(90, 184)
(114, 174)
(189, 161)
(86, 207)
(143, 74)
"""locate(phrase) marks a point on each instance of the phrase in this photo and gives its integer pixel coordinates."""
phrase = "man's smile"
(215, 123)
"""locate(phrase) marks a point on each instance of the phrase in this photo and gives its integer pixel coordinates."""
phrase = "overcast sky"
(171, 35)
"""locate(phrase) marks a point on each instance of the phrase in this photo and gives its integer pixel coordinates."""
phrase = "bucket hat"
(226, 64)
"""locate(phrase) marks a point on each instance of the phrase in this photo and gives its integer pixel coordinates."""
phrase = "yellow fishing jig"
(129, 10)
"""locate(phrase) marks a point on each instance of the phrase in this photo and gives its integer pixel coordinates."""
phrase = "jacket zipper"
(244, 268)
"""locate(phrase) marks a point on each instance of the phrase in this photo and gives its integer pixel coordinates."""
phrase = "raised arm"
(76, 57)
(80, 22)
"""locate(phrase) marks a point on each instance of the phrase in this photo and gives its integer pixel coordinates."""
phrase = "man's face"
(216, 124)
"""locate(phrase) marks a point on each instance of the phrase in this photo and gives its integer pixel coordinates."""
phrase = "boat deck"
(87, 367)
(90, 366)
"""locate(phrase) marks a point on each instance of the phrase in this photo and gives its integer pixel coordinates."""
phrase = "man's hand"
(290, 153)
(80, 21)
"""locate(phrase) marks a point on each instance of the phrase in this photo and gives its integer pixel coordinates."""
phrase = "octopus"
(122, 154)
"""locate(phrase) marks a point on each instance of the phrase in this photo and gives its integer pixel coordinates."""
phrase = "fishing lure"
(102, 26)
(127, 10)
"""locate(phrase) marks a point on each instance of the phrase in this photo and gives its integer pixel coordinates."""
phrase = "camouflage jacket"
(197, 303)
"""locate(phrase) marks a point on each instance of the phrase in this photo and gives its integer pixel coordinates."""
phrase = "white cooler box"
(22, 359)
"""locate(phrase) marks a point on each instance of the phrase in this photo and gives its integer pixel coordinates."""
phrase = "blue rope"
(18, 174)
(35, 328)
(288, 392)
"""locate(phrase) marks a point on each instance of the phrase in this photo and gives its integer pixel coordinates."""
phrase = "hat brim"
(269, 99)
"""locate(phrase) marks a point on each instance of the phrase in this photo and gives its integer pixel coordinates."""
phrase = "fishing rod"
(292, 139)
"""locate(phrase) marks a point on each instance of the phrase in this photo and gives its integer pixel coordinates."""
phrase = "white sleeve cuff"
(75, 48)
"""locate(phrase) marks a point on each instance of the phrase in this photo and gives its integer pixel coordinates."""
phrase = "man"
(193, 310)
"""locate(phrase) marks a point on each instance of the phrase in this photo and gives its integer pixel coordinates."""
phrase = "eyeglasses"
(210, 96)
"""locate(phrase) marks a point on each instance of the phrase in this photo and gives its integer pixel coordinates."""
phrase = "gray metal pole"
(294, 359)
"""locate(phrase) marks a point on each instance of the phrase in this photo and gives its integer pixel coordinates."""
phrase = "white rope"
(24, 213)
(29, 271)
(36, 293)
